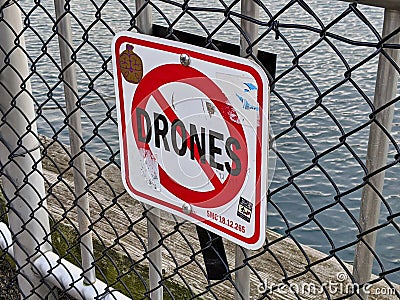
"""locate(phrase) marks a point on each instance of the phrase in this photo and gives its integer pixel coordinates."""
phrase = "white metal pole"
(75, 137)
(145, 18)
(63, 274)
(21, 169)
(378, 145)
(154, 256)
(145, 25)
(242, 275)
(67, 276)
(251, 9)
(6, 243)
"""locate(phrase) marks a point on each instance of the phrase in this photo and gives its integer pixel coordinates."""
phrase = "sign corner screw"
(187, 208)
(185, 60)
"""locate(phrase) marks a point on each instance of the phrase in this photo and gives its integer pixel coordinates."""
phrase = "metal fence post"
(75, 138)
(155, 258)
(144, 24)
(21, 169)
(242, 275)
(378, 145)
(145, 17)
(251, 9)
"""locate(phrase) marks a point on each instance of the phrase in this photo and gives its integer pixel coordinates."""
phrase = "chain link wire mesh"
(322, 109)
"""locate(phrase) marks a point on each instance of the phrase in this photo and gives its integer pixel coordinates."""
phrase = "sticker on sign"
(193, 132)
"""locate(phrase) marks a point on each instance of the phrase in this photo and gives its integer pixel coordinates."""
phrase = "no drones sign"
(193, 132)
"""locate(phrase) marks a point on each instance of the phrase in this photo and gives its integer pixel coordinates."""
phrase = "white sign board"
(193, 133)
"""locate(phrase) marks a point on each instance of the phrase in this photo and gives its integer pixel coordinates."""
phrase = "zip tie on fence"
(275, 28)
(23, 153)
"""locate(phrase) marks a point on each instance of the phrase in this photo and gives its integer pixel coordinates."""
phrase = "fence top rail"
(391, 4)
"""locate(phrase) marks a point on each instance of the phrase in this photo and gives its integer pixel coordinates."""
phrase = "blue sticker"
(250, 86)
(246, 104)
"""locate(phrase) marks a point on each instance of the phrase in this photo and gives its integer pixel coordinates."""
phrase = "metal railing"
(66, 219)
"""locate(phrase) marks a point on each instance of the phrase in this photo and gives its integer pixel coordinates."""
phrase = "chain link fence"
(333, 199)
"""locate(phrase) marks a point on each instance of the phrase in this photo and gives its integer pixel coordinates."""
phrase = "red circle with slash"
(149, 86)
